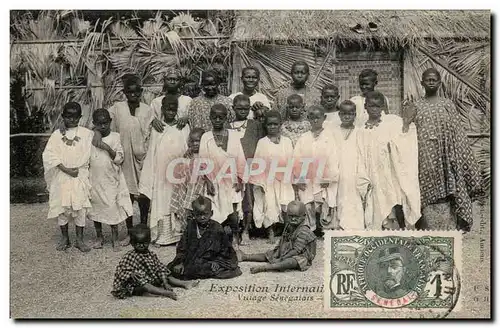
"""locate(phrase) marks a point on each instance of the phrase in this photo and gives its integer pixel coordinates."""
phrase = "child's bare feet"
(125, 242)
(239, 255)
(257, 269)
(98, 244)
(192, 284)
(63, 244)
(82, 246)
(170, 294)
(116, 247)
(245, 239)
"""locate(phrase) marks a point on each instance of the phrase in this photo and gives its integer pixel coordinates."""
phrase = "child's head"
(329, 97)
(367, 80)
(316, 116)
(102, 121)
(202, 210)
(374, 104)
(347, 113)
(295, 213)
(218, 116)
(140, 238)
(272, 122)
(132, 88)
(250, 76)
(241, 106)
(431, 80)
(194, 139)
(172, 80)
(294, 106)
(300, 72)
(71, 114)
(210, 83)
(169, 105)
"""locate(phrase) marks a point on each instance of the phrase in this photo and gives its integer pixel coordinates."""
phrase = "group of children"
(367, 173)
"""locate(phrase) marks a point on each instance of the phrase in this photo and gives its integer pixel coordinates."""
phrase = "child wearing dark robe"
(250, 131)
(140, 271)
(296, 249)
(205, 249)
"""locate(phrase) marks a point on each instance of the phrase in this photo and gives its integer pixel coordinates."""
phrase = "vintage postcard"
(250, 164)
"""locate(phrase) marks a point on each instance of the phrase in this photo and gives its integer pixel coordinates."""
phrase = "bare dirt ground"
(50, 284)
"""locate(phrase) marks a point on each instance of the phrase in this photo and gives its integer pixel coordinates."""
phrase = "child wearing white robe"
(349, 207)
(156, 178)
(110, 197)
(272, 192)
(66, 160)
(387, 168)
(222, 148)
(319, 193)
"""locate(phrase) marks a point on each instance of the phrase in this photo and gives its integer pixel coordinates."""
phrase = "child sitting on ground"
(140, 271)
(110, 197)
(66, 168)
(296, 249)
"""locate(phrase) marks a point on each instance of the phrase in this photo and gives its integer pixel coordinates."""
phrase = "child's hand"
(238, 186)
(181, 123)
(157, 125)
(324, 185)
(179, 268)
(215, 266)
(210, 187)
(96, 140)
(72, 172)
(301, 186)
(62, 128)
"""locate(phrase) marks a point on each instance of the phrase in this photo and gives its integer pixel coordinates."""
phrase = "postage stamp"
(393, 270)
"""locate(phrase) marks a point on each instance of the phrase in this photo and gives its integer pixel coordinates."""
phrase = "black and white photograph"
(250, 164)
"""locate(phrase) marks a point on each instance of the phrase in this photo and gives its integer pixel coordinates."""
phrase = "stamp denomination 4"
(383, 270)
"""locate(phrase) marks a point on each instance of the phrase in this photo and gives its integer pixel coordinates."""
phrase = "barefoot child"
(222, 146)
(110, 197)
(132, 119)
(249, 131)
(140, 271)
(155, 183)
(296, 249)
(272, 191)
(296, 123)
(387, 167)
(186, 192)
(320, 192)
(66, 168)
(349, 207)
(368, 79)
(204, 250)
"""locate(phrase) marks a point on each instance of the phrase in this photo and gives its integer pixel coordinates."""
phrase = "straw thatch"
(395, 28)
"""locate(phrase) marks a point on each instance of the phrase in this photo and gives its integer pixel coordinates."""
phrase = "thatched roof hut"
(400, 43)
(394, 27)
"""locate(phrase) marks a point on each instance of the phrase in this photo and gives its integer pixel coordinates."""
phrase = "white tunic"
(110, 196)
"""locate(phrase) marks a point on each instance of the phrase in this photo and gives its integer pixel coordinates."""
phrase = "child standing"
(296, 123)
(349, 207)
(186, 192)
(66, 168)
(140, 271)
(272, 191)
(329, 99)
(110, 197)
(320, 192)
(249, 132)
(222, 146)
(155, 183)
(368, 79)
